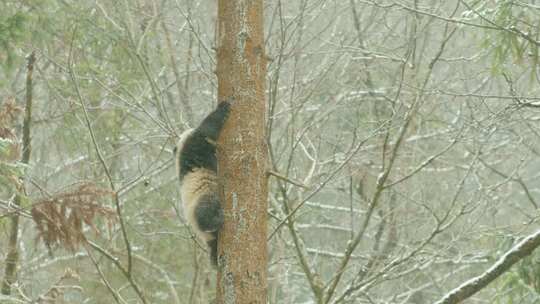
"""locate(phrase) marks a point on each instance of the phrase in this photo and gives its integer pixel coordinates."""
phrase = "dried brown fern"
(61, 218)
(9, 113)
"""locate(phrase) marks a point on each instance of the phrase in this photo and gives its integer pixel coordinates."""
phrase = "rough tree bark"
(242, 153)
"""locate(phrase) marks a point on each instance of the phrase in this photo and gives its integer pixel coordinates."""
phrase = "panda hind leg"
(212, 247)
(209, 214)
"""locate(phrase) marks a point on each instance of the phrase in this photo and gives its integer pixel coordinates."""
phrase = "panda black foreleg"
(209, 214)
(211, 126)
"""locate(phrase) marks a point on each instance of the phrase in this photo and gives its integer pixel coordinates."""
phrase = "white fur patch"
(180, 145)
(193, 186)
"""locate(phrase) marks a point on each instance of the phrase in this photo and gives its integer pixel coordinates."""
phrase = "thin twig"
(100, 155)
(290, 181)
(104, 164)
(123, 270)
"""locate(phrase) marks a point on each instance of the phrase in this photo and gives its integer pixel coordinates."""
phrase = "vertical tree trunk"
(242, 152)
(12, 258)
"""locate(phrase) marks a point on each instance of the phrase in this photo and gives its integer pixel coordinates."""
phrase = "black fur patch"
(212, 246)
(208, 213)
(199, 150)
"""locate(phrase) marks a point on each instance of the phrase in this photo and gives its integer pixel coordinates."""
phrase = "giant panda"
(196, 166)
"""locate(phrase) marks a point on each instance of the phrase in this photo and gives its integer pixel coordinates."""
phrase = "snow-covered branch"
(514, 255)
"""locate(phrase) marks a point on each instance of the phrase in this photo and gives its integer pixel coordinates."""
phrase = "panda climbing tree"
(222, 163)
(196, 165)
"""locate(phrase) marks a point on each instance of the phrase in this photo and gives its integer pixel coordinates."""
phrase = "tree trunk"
(242, 153)
(12, 258)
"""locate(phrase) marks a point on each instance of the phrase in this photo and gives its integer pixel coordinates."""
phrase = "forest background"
(406, 136)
